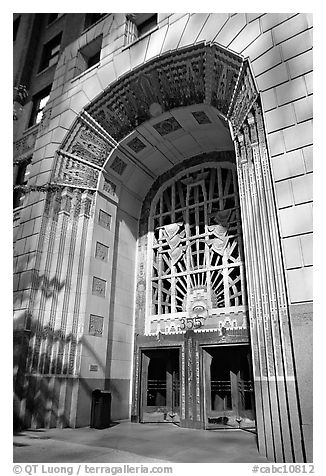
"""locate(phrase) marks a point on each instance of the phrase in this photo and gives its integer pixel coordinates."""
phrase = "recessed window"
(139, 24)
(89, 55)
(91, 18)
(20, 181)
(50, 54)
(39, 103)
(15, 27)
(144, 26)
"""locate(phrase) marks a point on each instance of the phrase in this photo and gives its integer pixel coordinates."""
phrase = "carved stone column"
(191, 414)
(277, 412)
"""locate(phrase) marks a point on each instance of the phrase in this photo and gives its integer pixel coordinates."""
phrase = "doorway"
(160, 384)
(229, 396)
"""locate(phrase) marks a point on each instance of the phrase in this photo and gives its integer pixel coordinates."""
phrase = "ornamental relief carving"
(101, 251)
(90, 147)
(194, 75)
(26, 144)
(245, 96)
(202, 73)
(70, 171)
(109, 187)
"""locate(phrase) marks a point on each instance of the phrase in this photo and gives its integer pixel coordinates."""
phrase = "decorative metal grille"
(196, 249)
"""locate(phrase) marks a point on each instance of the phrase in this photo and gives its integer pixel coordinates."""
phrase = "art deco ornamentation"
(26, 144)
(201, 73)
(95, 325)
(245, 96)
(197, 242)
(109, 187)
(89, 146)
(167, 126)
(71, 171)
(184, 79)
(99, 287)
(104, 219)
(201, 117)
(118, 165)
(136, 145)
(225, 68)
(101, 251)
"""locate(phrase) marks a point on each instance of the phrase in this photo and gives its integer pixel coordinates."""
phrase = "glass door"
(160, 386)
(229, 397)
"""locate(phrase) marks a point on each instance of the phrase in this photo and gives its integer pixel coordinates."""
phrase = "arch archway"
(103, 156)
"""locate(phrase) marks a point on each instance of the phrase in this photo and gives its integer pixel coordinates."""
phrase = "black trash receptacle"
(101, 409)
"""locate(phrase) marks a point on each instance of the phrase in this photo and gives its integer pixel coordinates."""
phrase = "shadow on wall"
(47, 360)
(44, 358)
(44, 382)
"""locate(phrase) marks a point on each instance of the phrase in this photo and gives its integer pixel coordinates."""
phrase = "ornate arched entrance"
(100, 167)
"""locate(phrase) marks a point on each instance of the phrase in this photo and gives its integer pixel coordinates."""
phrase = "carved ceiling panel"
(195, 75)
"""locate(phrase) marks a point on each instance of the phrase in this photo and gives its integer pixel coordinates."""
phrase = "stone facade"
(195, 85)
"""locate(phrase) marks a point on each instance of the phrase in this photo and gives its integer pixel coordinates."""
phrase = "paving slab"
(136, 442)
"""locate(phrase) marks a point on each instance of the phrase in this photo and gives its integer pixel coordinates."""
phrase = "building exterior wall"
(279, 48)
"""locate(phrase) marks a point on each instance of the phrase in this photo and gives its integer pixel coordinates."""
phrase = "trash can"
(101, 409)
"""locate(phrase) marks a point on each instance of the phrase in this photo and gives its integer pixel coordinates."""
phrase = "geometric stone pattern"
(118, 165)
(245, 95)
(26, 143)
(98, 287)
(171, 81)
(95, 325)
(268, 309)
(136, 145)
(212, 157)
(178, 253)
(104, 219)
(89, 146)
(167, 126)
(109, 187)
(101, 251)
(193, 75)
(69, 170)
(201, 117)
(54, 340)
(224, 78)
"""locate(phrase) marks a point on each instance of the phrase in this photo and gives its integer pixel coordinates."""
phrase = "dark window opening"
(39, 103)
(92, 60)
(91, 18)
(89, 55)
(21, 180)
(15, 27)
(51, 51)
(145, 26)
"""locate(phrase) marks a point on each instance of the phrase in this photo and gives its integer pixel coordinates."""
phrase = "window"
(51, 51)
(196, 249)
(21, 180)
(146, 25)
(89, 55)
(39, 103)
(139, 24)
(15, 27)
(91, 18)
